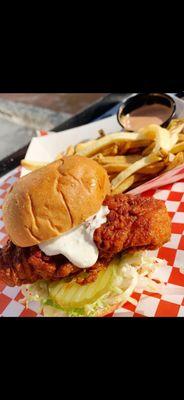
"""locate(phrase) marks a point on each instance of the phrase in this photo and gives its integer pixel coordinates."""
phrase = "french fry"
(101, 133)
(124, 185)
(133, 147)
(129, 159)
(111, 150)
(114, 138)
(162, 137)
(97, 157)
(148, 150)
(59, 156)
(112, 176)
(178, 159)
(70, 151)
(124, 147)
(177, 148)
(81, 146)
(176, 125)
(135, 150)
(163, 153)
(116, 167)
(139, 144)
(181, 137)
(153, 169)
(32, 165)
(152, 158)
(140, 179)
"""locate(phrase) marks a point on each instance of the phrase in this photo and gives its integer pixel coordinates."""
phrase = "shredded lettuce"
(133, 272)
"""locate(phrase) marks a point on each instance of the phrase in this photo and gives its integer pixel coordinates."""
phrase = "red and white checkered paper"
(149, 304)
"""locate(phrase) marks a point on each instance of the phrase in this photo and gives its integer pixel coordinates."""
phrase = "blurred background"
(67, 102)
(21, 114)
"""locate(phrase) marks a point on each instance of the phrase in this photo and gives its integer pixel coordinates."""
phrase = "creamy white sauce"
(77, 245)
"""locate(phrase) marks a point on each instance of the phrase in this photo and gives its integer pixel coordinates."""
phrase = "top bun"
(54, 199)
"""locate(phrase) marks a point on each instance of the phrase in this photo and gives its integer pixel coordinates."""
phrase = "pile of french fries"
(131, 158)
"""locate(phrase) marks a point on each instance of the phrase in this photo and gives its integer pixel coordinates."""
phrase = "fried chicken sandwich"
(72, 246)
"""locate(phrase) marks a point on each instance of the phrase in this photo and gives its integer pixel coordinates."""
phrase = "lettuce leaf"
(131, 270)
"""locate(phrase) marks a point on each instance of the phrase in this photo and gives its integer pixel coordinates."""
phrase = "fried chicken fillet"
(134, 223)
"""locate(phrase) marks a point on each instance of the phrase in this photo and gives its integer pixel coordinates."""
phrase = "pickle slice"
(73, 295)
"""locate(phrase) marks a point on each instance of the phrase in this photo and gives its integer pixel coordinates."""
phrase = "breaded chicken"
(133, 223)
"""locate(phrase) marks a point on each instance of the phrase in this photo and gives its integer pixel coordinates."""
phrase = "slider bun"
(54, 199)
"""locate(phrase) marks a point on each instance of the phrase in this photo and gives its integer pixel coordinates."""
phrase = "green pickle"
(72, 295)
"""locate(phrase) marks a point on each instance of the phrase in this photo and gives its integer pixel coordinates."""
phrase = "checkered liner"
(149, 304)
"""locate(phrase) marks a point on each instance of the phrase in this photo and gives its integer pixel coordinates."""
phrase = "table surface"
(71, 103)
(21, 114)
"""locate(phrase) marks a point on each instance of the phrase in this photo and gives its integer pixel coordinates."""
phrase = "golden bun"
(54, 199)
